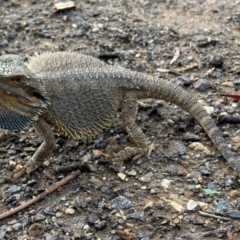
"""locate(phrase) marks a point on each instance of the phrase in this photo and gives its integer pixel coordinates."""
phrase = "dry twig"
(41, 196)
(205, 214)
(188, 67)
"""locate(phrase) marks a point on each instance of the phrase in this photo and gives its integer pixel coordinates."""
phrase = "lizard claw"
(27, 169)
(18, 174)
(129, 152)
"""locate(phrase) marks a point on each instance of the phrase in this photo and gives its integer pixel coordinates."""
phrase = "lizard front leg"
(43, 152)
(129, 108)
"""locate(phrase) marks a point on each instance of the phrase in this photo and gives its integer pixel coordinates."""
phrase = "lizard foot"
(129, 152)
(27, 169)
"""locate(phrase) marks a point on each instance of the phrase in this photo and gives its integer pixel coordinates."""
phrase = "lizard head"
(22, 97)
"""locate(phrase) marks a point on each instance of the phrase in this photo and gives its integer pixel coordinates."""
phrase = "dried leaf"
(125, 234)
(176, 55)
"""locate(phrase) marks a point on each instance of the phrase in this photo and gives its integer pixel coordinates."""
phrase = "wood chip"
(188, 67)
(63, 6)
(125, 234)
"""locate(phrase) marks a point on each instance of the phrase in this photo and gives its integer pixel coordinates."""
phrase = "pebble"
(202, 85)
(69, 211)
(13, 189)
(229, 109)
(197, 146)
(148, 205)
(180, 147)
(39, 217)
(222, 205)
(59, 214)
(190, 137)
(78, 222)
(146, 178)
(86, 158)
(138, 215)
(234, 214)
(165, 183)
(216, 74)
(227, 84)
(191, 205)
(203, 205)
(122, 176)
(16, 226)
(2, 234)
(122, 202)
(132, 172)
(216, 61)
(233, 193)
(93, 218)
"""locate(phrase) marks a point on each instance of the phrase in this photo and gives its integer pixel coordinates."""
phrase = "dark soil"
(159, 197)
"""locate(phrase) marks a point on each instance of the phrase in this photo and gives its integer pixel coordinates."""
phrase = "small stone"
(78, 222)
(86, 158)
(202, 85)
(13, 189)
(217, 74)
(165, 183)
(148, 205)
(191, 137)
(69, 211)
(2, 234)
(229, 109)
(222, 205)
(234, 214)
(122, 176)
(197, 146)
(233, 193)
(176, 206)
(138, 215)
(147, 177)
(96, 182)
(29, 149)
(74, 25)
(92, 219)
(122, 202)
(191, 204)
(198, 187)
(170, 122)
(203, 205)
(39, 217)
(216, 61)
(16, 226)
(12, 164)
(132, 173)
(59, 214)
(227, 84)
(180, 147)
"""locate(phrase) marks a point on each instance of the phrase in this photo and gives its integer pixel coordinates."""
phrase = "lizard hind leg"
(129, 108)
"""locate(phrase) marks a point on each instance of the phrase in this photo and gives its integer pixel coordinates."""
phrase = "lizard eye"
(18, 79)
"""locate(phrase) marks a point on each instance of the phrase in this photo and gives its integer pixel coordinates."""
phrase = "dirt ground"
(192, 43)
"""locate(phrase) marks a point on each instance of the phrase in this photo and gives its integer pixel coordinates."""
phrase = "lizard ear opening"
(15, 115)
(38, 96)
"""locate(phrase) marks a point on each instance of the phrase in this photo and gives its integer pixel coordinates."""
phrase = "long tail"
(161, 89)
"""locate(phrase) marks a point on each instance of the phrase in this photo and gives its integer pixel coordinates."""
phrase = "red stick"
(231, 95)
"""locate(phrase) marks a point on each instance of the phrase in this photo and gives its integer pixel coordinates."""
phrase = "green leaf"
(209, 191)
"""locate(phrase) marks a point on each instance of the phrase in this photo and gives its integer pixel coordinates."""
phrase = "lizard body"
(79, 96)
